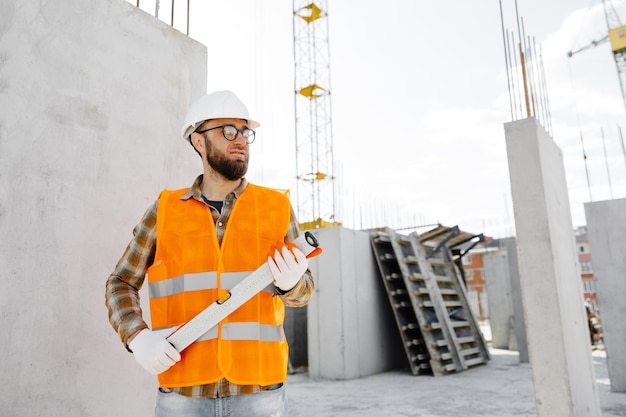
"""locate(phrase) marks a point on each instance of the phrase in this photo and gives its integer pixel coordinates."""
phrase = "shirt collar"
(196, 189)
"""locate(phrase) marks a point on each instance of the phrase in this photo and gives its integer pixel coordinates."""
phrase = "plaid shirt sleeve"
(123, 285)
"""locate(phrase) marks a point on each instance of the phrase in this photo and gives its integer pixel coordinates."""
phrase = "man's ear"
(197, 141)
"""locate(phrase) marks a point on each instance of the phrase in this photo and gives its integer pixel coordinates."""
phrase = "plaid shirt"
(123, 285)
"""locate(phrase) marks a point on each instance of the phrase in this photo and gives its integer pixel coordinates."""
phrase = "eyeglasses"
(230, 132)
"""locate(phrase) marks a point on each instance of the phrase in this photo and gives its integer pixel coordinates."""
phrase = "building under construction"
(80, 112)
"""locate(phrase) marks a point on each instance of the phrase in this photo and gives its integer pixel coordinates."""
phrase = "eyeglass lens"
(230, 132)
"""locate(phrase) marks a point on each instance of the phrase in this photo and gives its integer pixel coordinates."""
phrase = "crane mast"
(314, 141)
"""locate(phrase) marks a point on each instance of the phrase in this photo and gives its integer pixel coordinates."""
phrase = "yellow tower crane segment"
(617, 38)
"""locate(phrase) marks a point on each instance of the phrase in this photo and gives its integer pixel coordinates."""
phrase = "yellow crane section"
(617, 38)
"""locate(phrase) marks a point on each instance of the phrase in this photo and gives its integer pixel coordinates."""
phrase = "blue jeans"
(262, 404)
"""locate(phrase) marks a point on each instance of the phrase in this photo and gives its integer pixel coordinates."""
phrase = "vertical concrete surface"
(606, 227)
(92, 97)
(558, 338)
(352, 332)
(497, 280)
(505, 293)
(510, 245)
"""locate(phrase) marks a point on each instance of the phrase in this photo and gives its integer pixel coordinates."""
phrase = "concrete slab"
(351, 329)
(502, 388)
(93, 95)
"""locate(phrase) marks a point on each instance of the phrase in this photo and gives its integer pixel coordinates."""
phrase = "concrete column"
(606, 228)
(556, 326)
(352, 332)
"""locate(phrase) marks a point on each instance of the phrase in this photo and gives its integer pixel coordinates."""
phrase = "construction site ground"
(501, 388)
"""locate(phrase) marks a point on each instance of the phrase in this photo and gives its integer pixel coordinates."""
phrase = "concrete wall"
(558, 337)
(606, 226)
(352, 332)
(505, 298)
(92, 96)
(519, 325)
(498, 285)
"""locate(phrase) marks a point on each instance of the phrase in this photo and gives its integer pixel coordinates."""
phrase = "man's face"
(228, 158)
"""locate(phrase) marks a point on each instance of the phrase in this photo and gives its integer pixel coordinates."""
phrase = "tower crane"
(617, 37)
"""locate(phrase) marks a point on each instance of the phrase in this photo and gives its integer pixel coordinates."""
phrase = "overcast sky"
(419, 99)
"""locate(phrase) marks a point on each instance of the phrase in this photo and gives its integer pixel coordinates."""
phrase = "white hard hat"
(218, 105)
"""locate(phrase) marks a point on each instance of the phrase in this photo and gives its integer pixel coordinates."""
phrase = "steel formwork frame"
(315, 191)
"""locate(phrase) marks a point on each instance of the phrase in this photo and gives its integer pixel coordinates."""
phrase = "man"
(197, 243)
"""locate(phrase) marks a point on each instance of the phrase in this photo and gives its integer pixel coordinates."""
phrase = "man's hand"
(153, 352)
(287, 267)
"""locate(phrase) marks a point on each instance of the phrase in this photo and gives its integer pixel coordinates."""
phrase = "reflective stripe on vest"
(252, 331)
(187, 282)
(199, 281)
(246, 331)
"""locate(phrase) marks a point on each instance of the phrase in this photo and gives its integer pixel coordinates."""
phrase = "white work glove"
(287, 267)
(153, 352)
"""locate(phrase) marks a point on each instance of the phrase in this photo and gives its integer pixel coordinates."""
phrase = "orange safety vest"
(191, 271)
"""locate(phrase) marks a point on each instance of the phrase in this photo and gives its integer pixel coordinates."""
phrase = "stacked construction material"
(429, 301)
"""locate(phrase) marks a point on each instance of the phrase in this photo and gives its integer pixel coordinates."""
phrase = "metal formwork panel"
(423, 294)
(403, 311)
(452, 305)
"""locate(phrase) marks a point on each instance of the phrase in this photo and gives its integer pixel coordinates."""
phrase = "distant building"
(475, 282)
(584, 259)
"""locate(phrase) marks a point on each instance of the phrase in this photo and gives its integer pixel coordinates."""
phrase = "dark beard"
(231, 170)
